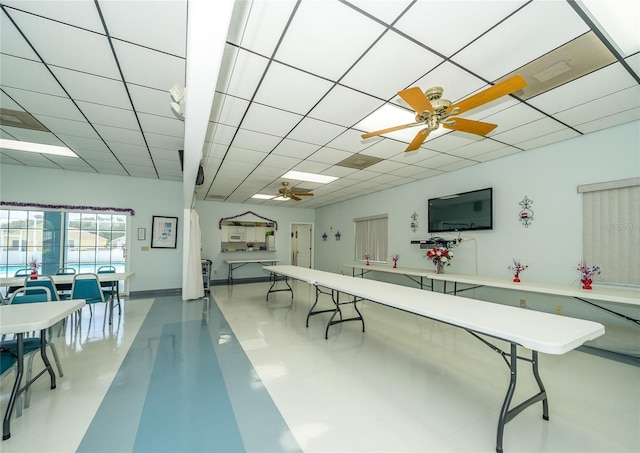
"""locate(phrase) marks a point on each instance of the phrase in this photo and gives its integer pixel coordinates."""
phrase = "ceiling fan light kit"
(433, 111)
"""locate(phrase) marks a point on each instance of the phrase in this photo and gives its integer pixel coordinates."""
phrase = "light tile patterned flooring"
(179, 376)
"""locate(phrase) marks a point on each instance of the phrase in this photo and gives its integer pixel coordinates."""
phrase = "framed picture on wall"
(164, 232)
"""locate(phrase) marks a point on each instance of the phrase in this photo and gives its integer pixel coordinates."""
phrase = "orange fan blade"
(418, 140)
(471, 126)
(293, 197)
(390, 129)
(303, 194)
(416, 99)
(503, 88)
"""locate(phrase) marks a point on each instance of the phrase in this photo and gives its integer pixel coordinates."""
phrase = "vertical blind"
(611, 230)
(371, 237)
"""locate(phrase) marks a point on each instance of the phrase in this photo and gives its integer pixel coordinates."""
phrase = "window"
(611, 230)
(81, 240)
(371, 238)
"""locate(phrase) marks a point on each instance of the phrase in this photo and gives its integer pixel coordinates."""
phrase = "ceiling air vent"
(17, 118)
(359, 161)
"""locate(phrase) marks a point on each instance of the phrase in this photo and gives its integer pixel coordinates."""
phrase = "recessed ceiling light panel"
(39, 148)
(310, 177)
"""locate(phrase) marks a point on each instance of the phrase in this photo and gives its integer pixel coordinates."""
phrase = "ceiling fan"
(433, 111)
(285, 192)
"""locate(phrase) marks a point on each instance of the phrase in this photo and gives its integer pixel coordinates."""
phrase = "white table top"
(543, 332)
(390, 269)
(604, 294)
(22, 318)
(104, 277)
(259, 260)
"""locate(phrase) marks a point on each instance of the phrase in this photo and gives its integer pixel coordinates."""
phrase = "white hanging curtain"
(194, 288)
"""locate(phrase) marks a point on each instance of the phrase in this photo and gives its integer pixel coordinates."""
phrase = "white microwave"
(236, 237)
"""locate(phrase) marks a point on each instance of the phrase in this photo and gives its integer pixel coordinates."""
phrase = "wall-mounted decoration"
(66, 207)
(414, 222)
(526, 214)
(338, 236)
(275, 224)
(164, 232)
(142, 234)
(324, 237)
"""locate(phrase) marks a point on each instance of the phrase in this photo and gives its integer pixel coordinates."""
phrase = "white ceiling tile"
(385, 166)
(82, 144)
(255, 140)
(161, 125)
(600, 83)
(634, 62)
(240, 72)
(133, 151)
(497, 153)
(12, 41)
(530, 131)
(290, 89)
(220, 134)
(27, 75)
(452, 141)
(261, 118)
(284, 163)
(545, 139)
(39, 103)
(293, 148)
(610, 121)
(146, 23)
(90, 88)
(80, 14)
(230, 110)
(308, 166)
(385, 11)
(457, 84)
(345, 106)
(384, 149)
(70, 127)
(120, 135)
(315, 40)
(401, 69)
(476, 16)
(317, 132)
(512, 117)
(257, 26)
(151, 100)
(163, 141)
(29, 135)
(472, 150)
(590, 111)
(350, 140)
(108, 116)
(516, 42)
(77, 43)
(149, 68)
(246, 155)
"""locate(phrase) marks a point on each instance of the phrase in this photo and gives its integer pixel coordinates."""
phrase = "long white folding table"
(235, 264)
(21, 318)
(413, 274)
(537, 331)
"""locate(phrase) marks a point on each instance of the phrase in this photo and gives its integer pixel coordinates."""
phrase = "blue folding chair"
(18, 273)
(64, 289)
(87, 286)
(110, 288)
(27, 295)
(7, 361)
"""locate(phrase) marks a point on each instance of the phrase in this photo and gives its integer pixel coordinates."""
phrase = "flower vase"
(586, 283)
(439, 269)
(367, 261)
(395, 264)
(516, 278)
(34, 275)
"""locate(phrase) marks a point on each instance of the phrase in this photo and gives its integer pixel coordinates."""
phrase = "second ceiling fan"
(286, 192)
(432, 111)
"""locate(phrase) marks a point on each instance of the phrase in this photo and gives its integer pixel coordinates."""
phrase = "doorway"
(302, 245)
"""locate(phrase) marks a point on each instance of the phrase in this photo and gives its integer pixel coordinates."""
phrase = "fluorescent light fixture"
(311, 177)
(17, 145)
(262, 196)
(280, 199)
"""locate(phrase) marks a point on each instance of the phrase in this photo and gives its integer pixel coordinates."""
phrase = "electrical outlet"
(523, 303)
(215, 271)
(559, 309)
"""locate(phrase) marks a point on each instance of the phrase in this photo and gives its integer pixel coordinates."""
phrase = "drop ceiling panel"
(82, 144)
(129, 21)
(329, 155)
(308, 166)
(401, 69)
(290, 89)
(90, 88)
(161, 125)
(261, 118)
(321, 50)
(545, 139)
(247, 69)
(38, 103)
(231, 111)
(477, 17)
(295, 149)
(530, 130)
(31, 136)
(255, 140)
(496, 154)
(385, 11)
(150, 100)
(245, 155)
(343, 105)
(590, 111)
(515, 42)
(310, 130)
(612, 120)
(457, 84)
(65, 126)
(120, 135)
(77, 43)
(163, 141)
(12, 43)
(79, 14)
(108, 116)
(27, 75)
(148, 67)
(512, 117)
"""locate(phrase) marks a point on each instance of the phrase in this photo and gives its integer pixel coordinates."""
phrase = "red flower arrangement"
(440, 256)
(517, 268)
(586, 274)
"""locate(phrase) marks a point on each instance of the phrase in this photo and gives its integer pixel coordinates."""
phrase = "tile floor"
(241, 373)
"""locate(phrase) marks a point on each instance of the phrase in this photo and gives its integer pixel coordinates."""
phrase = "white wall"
(211, 212)
(551, 245)
(155, 268)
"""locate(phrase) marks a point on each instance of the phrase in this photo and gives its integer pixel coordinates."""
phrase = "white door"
(301, 245)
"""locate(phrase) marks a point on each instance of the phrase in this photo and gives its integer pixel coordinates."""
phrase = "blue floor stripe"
(187, 386)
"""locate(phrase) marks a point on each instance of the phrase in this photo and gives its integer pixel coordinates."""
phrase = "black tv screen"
(462, 212)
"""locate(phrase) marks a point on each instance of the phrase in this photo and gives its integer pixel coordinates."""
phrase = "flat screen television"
(461, 212)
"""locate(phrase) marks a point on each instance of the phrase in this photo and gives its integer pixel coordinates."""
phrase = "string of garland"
(65, 207)
(245, 213)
